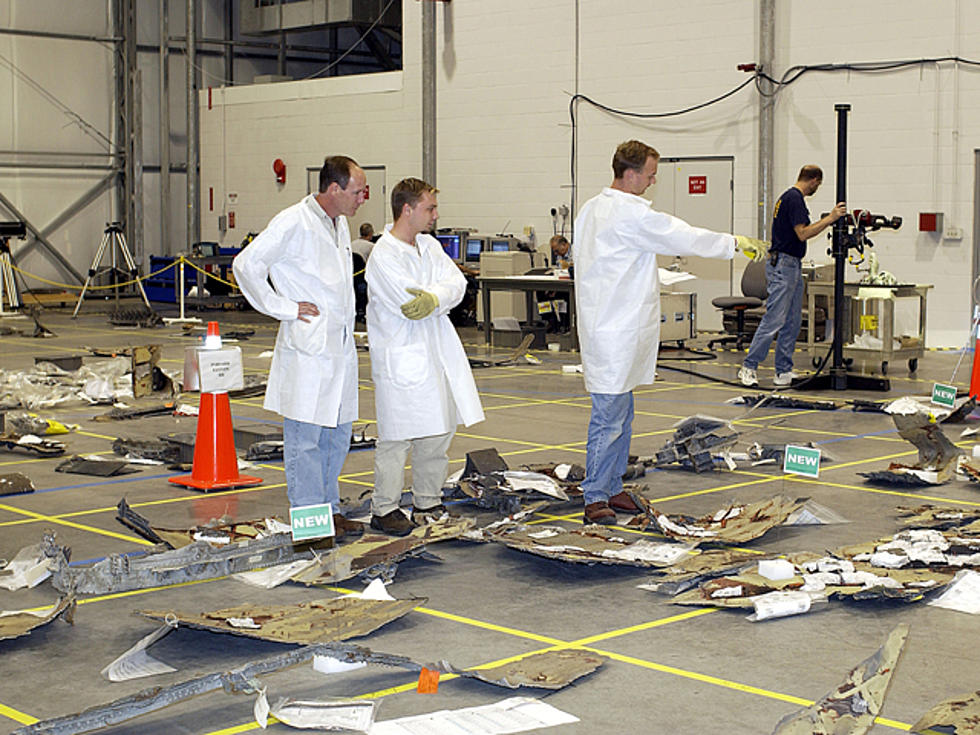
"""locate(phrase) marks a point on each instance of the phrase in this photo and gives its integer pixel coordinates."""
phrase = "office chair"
(753, 296)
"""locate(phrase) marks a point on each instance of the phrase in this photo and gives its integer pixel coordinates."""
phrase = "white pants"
(430, 468)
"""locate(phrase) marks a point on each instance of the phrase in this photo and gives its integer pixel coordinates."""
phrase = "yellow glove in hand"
(752, 248)
(421, 306)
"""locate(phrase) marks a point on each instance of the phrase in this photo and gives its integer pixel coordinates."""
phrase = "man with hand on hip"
(305, 252)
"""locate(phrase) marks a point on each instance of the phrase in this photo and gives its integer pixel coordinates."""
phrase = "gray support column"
(230, 46)
(193, 134)
(164, 127)
(136, 246)
(767, 104)
(429, 92)
(132, 102)
(120, 132)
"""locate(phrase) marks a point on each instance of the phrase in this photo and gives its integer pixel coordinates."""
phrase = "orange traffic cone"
(975, 375)
(215, 462)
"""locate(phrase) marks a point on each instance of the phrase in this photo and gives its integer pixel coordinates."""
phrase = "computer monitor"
(450, 243)
(500, 245)
(474, 246)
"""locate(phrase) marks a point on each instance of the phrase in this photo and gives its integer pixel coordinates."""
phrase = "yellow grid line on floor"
(78, 526)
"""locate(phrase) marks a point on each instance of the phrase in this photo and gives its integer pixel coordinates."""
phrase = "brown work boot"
(599, 513)
(394, 523)
(344, 527)
(622, 501)
(425, 516)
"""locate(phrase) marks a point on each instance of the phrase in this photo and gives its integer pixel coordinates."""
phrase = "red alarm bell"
(280, 170)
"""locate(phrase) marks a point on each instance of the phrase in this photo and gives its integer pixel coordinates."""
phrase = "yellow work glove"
(421, 306)
(752, 249)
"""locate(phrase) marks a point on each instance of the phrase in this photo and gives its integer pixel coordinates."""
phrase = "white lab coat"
(617, 239)
(422, 377)
(313, 377)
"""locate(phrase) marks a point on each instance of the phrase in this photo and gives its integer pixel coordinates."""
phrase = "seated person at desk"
(553, 306)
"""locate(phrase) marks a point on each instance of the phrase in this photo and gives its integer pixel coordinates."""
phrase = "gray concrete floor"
(671, 669)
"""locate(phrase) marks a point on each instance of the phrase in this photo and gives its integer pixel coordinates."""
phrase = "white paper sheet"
(963, 593)
(517, 714)
(136, 662)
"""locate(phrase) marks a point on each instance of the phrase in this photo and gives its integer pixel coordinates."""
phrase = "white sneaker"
(747, 377)
(782, 379)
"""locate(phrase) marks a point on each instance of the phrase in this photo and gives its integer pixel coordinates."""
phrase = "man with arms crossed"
(422, 378)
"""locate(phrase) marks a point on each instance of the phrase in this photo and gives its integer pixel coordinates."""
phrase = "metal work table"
(875, 315)
(530, 285)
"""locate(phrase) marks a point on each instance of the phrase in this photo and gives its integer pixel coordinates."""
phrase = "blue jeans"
(608, 449)
(313, 456)
(784, 314)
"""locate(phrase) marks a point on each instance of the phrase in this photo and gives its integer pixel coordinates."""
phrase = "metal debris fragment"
(373, 555)
(852, 707)
(16, 623)
(965, 520)
(32, 445)
(693, 442)
(15, 483)
(241, 679)
(160, 450)
(196, 561)
(548, 670)
(694, 569)
(590, 545)
(77, 465)
(510, 359)
(918, 424)
(736, 523)
(776, 400)
(962, 714)
(317, 621)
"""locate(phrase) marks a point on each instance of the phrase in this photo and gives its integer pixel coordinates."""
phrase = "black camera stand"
(848, 233)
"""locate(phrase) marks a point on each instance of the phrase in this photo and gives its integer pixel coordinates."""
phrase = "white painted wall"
(507, 70)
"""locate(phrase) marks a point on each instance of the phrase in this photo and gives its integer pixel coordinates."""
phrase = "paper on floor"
(963, 593)
(136, 662)
(516, 714)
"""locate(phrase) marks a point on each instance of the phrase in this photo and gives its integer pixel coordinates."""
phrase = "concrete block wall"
(506, 71)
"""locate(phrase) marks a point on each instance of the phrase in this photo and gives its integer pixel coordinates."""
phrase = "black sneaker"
(394, 523)
(424, 516)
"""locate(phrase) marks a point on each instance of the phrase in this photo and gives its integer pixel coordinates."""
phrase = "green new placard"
(311, 521)
(801, 461)
(943, 395)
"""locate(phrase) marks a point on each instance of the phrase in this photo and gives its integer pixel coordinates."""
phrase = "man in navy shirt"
(791, 228)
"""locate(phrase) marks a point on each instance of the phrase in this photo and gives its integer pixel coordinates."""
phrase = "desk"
(874, 315)
(530, 285)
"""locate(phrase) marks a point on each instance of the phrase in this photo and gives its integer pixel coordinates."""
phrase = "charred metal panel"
(307, 623)
(851, 708)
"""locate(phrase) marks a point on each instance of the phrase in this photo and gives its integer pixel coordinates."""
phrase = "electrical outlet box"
(953, 233)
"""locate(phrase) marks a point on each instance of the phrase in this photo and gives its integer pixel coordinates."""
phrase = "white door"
(699, 191)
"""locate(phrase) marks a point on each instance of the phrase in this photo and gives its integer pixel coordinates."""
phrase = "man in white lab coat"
(306, 252)
(617, 239)
(422, 378)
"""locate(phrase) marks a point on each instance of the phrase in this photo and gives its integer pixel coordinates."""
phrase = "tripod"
(8, 289)
(113, 239)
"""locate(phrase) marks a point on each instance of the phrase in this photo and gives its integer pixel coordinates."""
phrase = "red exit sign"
(697, 184)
